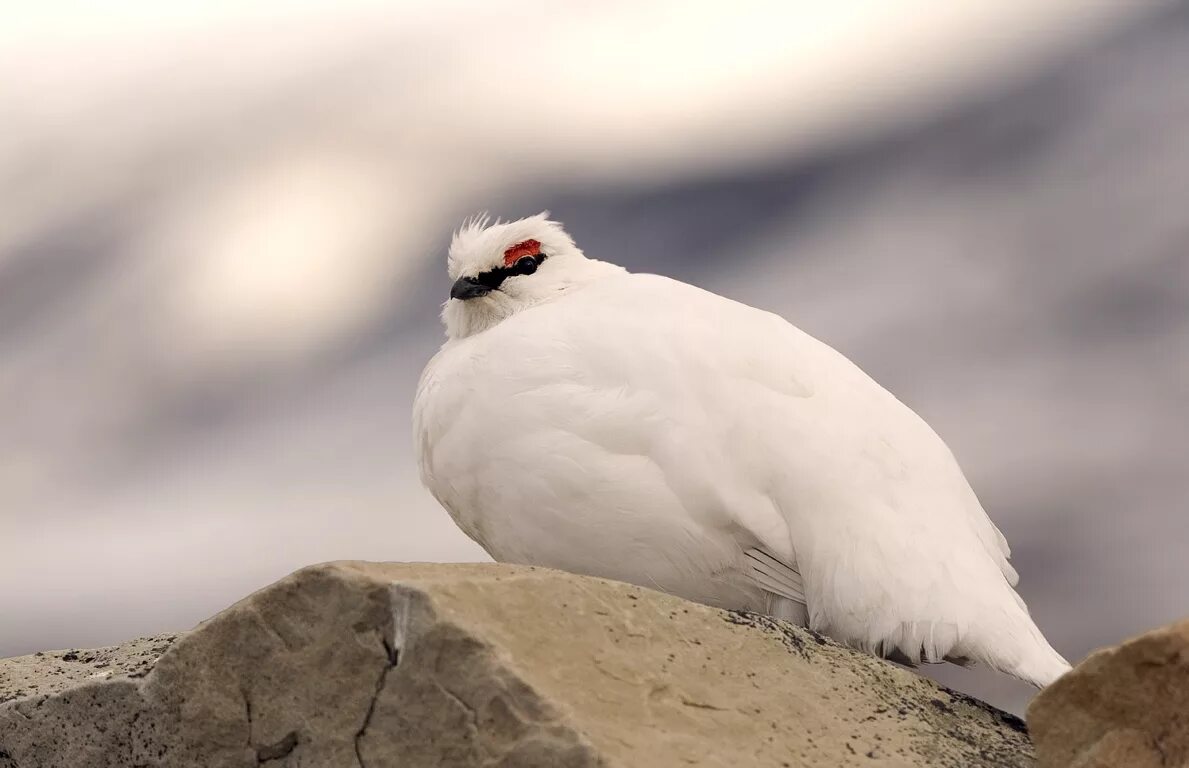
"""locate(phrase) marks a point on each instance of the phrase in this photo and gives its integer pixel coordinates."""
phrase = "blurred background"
(223, 230)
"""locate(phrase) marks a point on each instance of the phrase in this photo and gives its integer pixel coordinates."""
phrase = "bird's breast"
(554, 471)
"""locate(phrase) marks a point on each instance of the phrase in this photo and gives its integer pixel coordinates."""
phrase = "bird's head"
(501, 268)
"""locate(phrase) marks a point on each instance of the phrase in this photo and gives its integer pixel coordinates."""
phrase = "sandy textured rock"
(54, 671)
(359, 664)
(1123, 706)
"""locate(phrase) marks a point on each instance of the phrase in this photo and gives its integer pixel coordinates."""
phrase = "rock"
(1123, 706)
(370, 665)
(54, 671)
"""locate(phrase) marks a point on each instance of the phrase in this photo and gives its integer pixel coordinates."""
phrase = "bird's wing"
(780, 581)
(774, 575)
(765, 431)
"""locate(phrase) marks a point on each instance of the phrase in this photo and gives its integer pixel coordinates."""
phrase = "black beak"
(468, 288)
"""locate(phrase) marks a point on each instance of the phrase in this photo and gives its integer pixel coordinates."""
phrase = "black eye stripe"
(492, 278)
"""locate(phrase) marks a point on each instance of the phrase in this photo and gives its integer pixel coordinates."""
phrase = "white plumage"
(634, 427)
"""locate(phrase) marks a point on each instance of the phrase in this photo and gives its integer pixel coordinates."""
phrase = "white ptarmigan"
(637, 428)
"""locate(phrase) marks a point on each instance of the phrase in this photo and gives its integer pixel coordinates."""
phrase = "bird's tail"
(1020, 650)
(1040, 667)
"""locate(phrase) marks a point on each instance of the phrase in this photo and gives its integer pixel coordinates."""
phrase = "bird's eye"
(525, 265)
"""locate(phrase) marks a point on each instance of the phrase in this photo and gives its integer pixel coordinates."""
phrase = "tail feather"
(1041, 666)
(1018, 648)
(1015, 647)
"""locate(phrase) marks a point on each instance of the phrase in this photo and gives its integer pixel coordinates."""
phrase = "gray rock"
(365, 664)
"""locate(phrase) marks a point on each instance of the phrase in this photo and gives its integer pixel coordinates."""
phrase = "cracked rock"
(1122, 706)
(375, 665)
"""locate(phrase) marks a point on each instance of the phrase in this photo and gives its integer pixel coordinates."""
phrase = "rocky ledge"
(369, 665)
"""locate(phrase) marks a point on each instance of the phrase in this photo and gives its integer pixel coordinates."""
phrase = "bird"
(633, 427)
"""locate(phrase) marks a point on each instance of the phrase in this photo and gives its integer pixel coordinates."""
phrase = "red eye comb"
(520, 250)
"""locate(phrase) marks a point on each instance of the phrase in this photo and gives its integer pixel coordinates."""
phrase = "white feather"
(637, 428)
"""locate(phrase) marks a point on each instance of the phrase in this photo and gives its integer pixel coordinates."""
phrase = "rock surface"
(1123, 706)
(362, 664)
